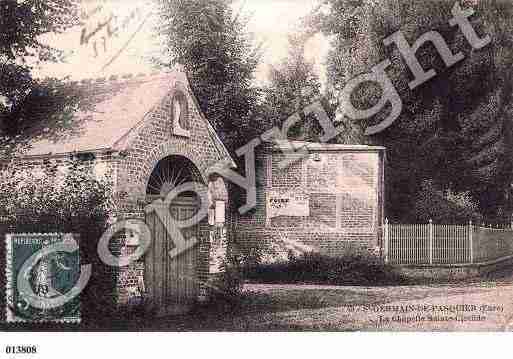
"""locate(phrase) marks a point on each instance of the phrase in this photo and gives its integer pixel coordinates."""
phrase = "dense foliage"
(53, 200)
(454, 130)
(293, 85)
(445, 207)
(313, 268)
(22, 25)
(46, 112)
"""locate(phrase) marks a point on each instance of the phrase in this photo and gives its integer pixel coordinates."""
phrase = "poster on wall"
(288, 204)
(357, 176)
(341, 194)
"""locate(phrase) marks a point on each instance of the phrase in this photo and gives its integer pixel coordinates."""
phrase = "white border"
(261, 345)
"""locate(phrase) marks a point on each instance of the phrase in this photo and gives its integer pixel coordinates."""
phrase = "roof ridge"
(119, 78)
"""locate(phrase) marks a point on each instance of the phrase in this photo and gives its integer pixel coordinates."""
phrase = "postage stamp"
(37, 275)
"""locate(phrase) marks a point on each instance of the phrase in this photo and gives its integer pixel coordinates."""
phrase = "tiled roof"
(115, 107)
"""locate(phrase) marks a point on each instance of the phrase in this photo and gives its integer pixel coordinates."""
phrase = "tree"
(455, 129)
(22, 23)
(293, 86)
(45, 112)
(220, 57)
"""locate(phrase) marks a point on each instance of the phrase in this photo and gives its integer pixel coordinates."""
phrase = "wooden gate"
(171, 283)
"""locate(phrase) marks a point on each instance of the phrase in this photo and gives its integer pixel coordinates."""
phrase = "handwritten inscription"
(100, 27)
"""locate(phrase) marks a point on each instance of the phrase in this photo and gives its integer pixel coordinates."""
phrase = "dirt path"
(482, 306)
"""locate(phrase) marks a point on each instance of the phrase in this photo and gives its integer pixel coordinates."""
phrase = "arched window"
(169, 173)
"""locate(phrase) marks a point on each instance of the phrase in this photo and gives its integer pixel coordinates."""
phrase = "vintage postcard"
(256, 166)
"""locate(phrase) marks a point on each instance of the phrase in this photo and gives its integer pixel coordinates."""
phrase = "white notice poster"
(288, 204)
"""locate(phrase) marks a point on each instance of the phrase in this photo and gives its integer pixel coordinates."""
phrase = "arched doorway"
(171, 281)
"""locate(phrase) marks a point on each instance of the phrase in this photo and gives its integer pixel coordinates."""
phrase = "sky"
(92, 53)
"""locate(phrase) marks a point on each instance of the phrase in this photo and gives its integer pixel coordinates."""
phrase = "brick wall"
(345, 209)
(153, 142)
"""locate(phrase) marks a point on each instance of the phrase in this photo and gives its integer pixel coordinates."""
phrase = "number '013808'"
(20, 349)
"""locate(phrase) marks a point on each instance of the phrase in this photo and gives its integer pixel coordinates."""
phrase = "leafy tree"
(46, 112)
(445, 207)
(293, 86)
(22, 23)
(211, 41)
(454, 129)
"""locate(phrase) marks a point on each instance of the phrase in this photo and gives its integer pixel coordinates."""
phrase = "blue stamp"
(43, 278)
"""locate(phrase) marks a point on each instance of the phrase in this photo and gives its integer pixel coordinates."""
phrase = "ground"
(488, 305)
(351, 308)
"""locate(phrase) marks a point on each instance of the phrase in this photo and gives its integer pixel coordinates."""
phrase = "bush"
(226, 285)
(445, 207)
(72, 201)
(315, 268)
(261, 252)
